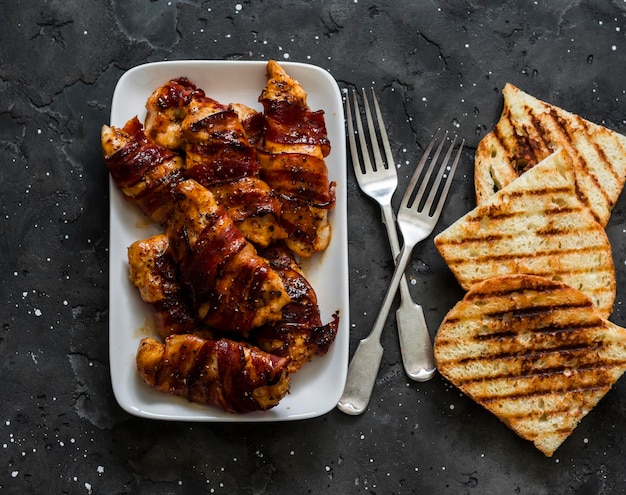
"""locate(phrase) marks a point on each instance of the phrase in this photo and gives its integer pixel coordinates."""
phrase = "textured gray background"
(435, 64)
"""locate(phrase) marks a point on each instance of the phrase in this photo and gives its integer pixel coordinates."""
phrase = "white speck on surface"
(38, 312)
(14, 474)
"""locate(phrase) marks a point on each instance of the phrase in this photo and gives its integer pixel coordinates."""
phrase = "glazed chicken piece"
(291, 156)
(145, 173)
(155, 274)
(300, 334)
(219, 156)
(230, 286)
(232, 375)
(166, 108)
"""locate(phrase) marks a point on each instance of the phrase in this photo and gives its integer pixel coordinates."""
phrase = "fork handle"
(415, 344)
(362, 374)
(365, 363)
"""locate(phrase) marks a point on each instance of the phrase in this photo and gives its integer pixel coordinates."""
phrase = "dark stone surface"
(435, 64)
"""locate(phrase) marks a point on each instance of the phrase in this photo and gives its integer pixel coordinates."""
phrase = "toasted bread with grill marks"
(529, 130)
(536, 225)
(534, 352)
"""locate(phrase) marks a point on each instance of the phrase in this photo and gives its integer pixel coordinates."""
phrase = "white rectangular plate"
(316, 388)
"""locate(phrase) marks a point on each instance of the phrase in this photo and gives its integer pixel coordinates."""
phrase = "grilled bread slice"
(534, 352)
(536, 225)
(529, 130)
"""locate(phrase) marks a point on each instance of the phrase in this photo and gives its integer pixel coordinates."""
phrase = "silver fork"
(417, 217)
(380, 183)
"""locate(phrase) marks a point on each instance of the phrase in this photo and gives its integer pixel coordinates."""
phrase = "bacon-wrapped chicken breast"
(230, 286)
(292, 162)
(232, 375)
(145, 173)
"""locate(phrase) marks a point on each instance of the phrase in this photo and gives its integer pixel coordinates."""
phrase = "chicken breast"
(235, 376)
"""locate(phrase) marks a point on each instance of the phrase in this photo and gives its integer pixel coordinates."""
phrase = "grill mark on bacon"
(223, 127)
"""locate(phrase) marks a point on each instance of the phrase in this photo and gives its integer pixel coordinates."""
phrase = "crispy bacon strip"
(292, 162)
(232, 375)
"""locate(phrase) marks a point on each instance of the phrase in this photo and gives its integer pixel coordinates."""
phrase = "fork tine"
(418, 171)
(354, 152)
(436, 185)
(383, 131)
(448, 182)
(378, 158)
(364, 152)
